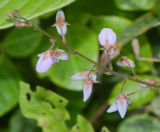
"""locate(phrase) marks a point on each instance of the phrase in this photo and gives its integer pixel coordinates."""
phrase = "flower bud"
(125, 62)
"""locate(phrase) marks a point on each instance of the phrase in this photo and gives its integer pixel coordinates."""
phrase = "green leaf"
(155, 106)
(83, 40)
(118, 24)
(83, 17)
(140, 26)
(140, 123)
(21, 43)
(135, 5)
(82, 125)
(9, 78)
(29, 8)
(94, 7)
(104, 129)
(138, 99)
(45, 106)
(18, 123)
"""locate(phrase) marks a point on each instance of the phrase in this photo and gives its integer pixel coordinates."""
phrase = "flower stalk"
(104, 69)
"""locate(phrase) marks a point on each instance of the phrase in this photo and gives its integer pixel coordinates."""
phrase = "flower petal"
(131, 63)
(60, 13)
(107, 36)
(94, 77)
(43, 64)
(122, 107)
(80, 76)
(62, 30)
(63, 55)
(112, 108)
(87, 91)
(54, 60)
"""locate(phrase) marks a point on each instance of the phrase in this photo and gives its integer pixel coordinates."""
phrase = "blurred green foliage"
(51, 102)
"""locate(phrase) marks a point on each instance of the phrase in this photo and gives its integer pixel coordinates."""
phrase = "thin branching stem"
(73, 51)
(123, 86)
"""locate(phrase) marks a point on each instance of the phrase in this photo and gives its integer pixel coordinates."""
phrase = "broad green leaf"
(135, 5)
(94, 7)
(118, 24)
(45, 106)
(138, 27)
(9, 87)
(18, 123)
(138, 99)
(82, 125)
(84, 41)
(155, 106)
(21, 43)
(140, 123)
(83, 17)
(29, 8)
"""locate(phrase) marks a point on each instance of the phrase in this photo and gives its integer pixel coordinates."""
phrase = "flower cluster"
(53, 55)
(107, 39)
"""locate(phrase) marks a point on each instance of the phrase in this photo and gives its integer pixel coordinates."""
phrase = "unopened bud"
(21, 24)
(125, 62)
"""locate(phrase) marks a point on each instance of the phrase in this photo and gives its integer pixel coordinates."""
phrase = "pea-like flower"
(88, 84)
(60, 24)
(120, 105)
(88, 79)
(49, 57)
(107, 38)
(125, 62)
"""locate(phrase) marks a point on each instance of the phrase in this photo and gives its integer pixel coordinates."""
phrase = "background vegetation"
(32, 102)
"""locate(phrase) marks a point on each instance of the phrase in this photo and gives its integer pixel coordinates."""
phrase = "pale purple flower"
(49, 57)
(44, 62)
(88, 78)
(60, 24)
(120, 105)
(107, 37)
(88, 84)
(125, 62)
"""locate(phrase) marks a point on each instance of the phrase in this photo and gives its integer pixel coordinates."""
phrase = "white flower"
(88, 84)
(49, 57)
(44, 62)
(119, 105)
(125, 62)
(107, 37)
(88, 79)
(60, 24)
